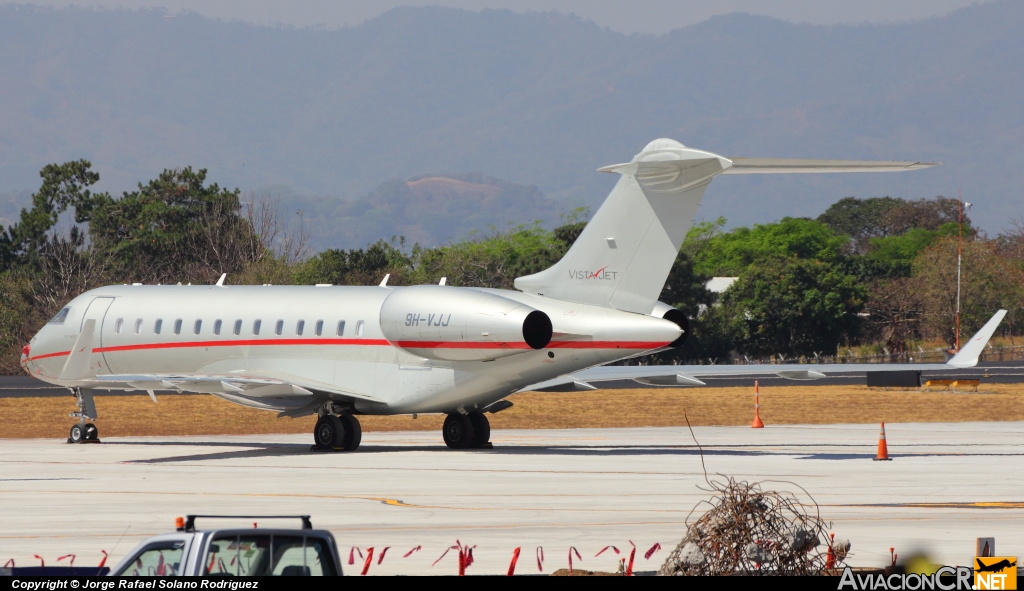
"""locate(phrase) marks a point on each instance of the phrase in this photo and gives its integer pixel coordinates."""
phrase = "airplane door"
(98, 310)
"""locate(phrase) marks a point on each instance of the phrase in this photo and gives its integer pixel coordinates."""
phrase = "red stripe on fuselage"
(46, 355)
(459, 345)
(641, 345)
(605, 345)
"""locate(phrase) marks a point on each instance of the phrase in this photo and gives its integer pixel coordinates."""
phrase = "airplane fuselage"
(385, 350)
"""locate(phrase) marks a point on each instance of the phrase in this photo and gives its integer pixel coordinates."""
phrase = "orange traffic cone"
(883, 450)
(757, 424)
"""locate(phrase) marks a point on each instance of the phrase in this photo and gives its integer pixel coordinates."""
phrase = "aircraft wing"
(689, 375)
(290, 397)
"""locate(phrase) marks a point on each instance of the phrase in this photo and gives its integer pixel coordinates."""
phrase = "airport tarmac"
(948, 483)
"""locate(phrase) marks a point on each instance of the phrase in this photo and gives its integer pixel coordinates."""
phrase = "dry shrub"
(750, 531)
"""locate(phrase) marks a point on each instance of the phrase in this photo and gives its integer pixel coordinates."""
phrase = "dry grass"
(660, 407)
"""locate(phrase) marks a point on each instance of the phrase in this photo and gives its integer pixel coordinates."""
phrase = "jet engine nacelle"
(663, 310)
(460, 324)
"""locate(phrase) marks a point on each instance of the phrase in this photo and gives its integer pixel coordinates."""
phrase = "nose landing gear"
(84, 432)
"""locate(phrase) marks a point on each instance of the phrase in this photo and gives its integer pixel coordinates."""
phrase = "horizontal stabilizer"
(800, 165)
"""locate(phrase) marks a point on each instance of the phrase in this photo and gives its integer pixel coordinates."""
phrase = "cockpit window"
(61, 316)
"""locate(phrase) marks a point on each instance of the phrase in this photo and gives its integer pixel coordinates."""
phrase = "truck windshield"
(159, 559)
(261, 555)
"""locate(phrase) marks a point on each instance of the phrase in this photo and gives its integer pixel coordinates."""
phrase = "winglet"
(968, 355)
(79, 363)
(384, 283)
(220, 282)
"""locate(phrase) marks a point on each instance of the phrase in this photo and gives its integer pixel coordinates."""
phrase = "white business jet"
(340, 352)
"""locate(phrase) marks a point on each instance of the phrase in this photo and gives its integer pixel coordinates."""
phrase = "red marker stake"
(515, 559)
(369, 560)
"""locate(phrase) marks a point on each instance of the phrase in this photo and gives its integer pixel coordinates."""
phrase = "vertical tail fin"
(623, 257)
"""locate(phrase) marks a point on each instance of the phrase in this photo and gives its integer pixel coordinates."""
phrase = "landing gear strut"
(466, 431)
(336, 433)
(84, 432)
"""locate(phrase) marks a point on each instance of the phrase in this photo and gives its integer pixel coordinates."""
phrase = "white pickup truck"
(251, 551)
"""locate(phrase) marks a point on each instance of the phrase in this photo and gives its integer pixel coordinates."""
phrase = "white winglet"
(968, 355)
(385, 281)
(220, 282)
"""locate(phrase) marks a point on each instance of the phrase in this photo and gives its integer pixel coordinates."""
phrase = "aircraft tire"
(481, 429)
(328, 433)
(91, 432)
(77, 434)
(458, 431)
(353, 432)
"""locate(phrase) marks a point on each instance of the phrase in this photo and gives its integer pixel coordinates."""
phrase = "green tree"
(174, 228)
(793, 306)
(356, 266)
(64, 185)
(893, 256)
(930, 214)
(17, 320)
(494, 261)
(861, 219)
(988, 282)
(894, 314)
(731, 253)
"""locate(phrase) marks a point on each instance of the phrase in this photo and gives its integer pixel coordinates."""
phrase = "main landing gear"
(337, 433)
(84, 432)
(466, 431)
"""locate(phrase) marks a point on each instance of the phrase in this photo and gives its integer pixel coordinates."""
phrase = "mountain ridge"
(539, 99)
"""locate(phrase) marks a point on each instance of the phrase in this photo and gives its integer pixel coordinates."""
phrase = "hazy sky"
(646, 16)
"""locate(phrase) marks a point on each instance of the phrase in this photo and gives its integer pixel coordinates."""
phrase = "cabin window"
(177, 326)
(61, 316)
(197, 327)
(279, 327)
(138, 326)
(238, 327)
(341, 328)
(256, 326)
(216, 327)
(299, 327)
(159, 324)
(118, 325)
(359, 328)
(319, 327)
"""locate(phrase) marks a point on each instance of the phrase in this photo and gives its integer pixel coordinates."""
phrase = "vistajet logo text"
(602, 273)
(946, 578)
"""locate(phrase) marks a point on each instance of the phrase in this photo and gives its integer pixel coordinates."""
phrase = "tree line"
(878, 271)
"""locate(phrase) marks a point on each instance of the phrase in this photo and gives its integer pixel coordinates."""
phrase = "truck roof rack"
(190, 520)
